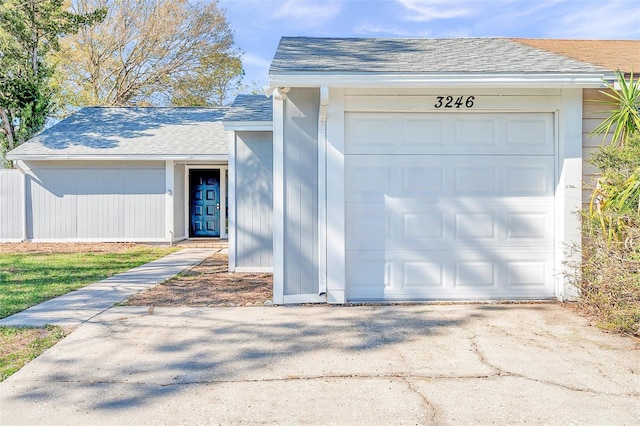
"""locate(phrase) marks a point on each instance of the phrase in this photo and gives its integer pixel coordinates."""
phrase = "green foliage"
(29, 32)
(27, 279)
(610, 271)
(615, 203)
(210, 82)
(624, 117)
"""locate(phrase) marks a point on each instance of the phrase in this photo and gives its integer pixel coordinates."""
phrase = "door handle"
(218, 206)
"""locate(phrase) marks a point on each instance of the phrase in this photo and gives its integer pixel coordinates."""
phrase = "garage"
(449, 205)
(426, 169)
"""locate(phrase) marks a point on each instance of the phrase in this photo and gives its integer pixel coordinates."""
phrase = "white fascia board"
(436, 80)
(249, 126)
(105, 157)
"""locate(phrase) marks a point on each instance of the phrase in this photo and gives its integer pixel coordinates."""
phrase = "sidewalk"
(81, 305)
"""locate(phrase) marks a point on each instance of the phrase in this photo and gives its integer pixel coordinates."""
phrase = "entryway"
(204, 203)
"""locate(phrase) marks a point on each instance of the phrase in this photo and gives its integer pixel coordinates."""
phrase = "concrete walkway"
(366, 365)
(81, 305)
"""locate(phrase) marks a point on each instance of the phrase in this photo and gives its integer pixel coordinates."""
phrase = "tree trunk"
(7, 126)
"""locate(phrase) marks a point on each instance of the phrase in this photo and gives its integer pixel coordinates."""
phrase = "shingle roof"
(461, 55)
(612, 54)
(131, 131)
(250, 108)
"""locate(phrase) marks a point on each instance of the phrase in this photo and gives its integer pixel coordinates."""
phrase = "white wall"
(11, 205)
(253, 201)
(179, 215)
(96, 201)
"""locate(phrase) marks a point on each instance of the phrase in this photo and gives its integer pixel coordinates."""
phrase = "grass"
(20, 345)
(27, 279)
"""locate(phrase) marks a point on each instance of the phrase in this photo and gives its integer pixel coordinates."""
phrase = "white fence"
(12, 206)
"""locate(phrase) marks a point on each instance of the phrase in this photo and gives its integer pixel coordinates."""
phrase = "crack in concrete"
(497, 371)
(349, 376)
(425, 401)
(503, 373)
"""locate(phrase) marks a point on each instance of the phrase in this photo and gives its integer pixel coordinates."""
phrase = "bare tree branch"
(145, 50)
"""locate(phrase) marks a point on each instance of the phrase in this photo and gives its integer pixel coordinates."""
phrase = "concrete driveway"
(424, 364)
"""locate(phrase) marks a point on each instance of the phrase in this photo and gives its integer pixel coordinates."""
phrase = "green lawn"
(27, 279)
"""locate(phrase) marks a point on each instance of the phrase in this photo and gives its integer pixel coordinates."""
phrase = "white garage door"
(449, 206)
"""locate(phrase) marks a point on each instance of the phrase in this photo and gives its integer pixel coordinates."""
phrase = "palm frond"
(624, 118)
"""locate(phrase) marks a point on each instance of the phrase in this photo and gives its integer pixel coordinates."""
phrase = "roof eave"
(117, 157)
(255, 126)
(311, 79)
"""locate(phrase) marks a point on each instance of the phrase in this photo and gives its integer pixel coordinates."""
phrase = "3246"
(451, 102)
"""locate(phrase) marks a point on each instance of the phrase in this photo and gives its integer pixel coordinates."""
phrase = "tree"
(29, 33)
(150, 52)
(209, 82)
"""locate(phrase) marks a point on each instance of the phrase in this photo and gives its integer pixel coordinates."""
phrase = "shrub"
(610, 273)
(610, 280)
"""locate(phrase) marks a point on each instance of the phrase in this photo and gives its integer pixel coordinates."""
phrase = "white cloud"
(308, 12)
(377, 30)
(429, 10)
(251, 60)
(596, 20)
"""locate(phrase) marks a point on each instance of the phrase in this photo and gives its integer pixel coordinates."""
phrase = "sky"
(259, 24)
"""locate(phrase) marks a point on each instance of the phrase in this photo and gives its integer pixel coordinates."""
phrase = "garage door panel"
(472, 133)
(448, 275)
(529, 178)
(370, 181)
(423, 179)
(449, 133)
(411, 226)
(476, 180)
(377, 177)
(530, 225)
(475, 226)
(528, 273)
(423, 273)
(536, 130)
(475, 274)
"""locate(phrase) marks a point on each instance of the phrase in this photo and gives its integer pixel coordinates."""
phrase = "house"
(379, 170)
(126, 174)
(427, 169)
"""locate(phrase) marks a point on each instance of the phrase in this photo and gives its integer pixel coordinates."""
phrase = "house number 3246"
(451, 102)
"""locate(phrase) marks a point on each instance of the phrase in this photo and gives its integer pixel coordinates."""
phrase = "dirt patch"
(209, 284)
(28, 247)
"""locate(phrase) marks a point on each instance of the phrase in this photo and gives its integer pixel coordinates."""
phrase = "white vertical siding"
(179, 218)
(106, 202)
(254, 200)
(51, 205)
(301, 192)
(11, 205)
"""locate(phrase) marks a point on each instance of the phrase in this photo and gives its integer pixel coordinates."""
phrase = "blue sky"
(259, 24)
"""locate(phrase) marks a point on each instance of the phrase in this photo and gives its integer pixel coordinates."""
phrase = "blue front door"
(204, 204)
